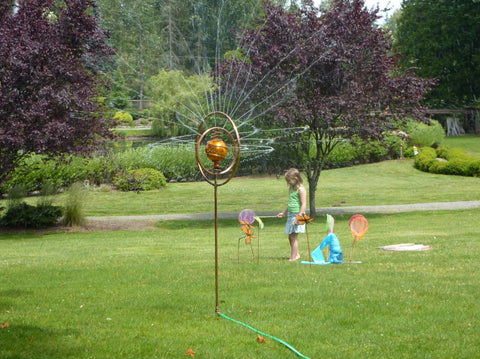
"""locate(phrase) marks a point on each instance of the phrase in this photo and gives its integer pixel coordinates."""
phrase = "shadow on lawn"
(28, 341)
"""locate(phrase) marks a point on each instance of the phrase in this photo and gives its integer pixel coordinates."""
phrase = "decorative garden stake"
(217, 150)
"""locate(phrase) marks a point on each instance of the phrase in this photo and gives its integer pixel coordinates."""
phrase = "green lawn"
(151, 294)
(469, 143)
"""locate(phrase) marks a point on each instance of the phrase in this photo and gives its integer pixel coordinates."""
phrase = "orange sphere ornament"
(216, 151)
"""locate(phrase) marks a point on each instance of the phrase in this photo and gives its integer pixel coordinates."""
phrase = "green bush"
(425, 159)
(123, 118)
(36, 170)
(32, 172)
(421, 134)
(176, 162)
(447, 161)
(24, 215)
(143, 179)
(120, 103)
(342, 155)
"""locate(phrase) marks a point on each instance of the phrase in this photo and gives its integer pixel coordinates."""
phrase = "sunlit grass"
(384, 183)
(151, 294)
(469, 143)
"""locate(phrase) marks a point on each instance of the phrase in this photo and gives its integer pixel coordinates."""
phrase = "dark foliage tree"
(441, 39)
(330, 74)
(50, 54)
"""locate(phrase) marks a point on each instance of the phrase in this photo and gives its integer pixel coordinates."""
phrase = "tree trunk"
(312, 184)
(140, 65)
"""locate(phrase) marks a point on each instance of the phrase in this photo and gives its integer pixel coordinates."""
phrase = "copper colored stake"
(216, 150)
(308, 245)
(217, 310)
(258, 246)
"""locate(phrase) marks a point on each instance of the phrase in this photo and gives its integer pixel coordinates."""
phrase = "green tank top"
(294, 202)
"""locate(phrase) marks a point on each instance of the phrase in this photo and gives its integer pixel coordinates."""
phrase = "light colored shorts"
(290, 227)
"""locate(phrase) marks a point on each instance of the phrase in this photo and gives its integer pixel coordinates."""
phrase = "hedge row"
(175, 162)
(447, 161)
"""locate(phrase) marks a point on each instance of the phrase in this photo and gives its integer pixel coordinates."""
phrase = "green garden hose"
(265, 334)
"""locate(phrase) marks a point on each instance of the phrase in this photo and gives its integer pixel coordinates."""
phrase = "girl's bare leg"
(293, 238)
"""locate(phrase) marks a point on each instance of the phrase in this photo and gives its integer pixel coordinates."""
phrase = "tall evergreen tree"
(441, 39)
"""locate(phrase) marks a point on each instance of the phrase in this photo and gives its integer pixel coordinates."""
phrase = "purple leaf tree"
(332, 74)
(49, 79)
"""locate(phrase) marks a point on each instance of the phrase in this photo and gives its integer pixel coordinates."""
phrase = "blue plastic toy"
(331, 240)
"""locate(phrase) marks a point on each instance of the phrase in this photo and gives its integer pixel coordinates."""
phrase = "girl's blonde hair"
(294, 174)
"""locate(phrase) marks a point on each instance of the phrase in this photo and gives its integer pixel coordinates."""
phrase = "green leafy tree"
(441, 39)
(137, 39)
(185, 35)
(178, 99)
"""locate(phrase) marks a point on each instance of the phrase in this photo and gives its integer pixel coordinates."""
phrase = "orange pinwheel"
(303, 219)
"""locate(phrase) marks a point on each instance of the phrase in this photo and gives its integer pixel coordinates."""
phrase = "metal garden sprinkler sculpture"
(217, 150)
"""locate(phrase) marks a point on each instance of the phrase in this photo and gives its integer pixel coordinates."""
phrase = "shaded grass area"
(151, 294)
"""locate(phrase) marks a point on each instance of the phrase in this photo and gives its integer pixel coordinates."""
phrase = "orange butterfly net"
(358, 226)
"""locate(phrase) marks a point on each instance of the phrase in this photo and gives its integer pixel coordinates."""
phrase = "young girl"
(297, 203)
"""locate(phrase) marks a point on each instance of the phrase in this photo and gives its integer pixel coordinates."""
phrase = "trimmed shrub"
(143, 179)
(425, 159)
(447, 161)
(24, 215)
(123, 118)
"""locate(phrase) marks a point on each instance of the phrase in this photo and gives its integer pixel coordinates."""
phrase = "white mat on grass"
(406, 247)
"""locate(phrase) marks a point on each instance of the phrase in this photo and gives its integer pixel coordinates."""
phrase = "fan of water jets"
(232, 98)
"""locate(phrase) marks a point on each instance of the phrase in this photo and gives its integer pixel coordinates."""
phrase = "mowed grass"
(469, 143)
(151, 294)
(384, 183)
